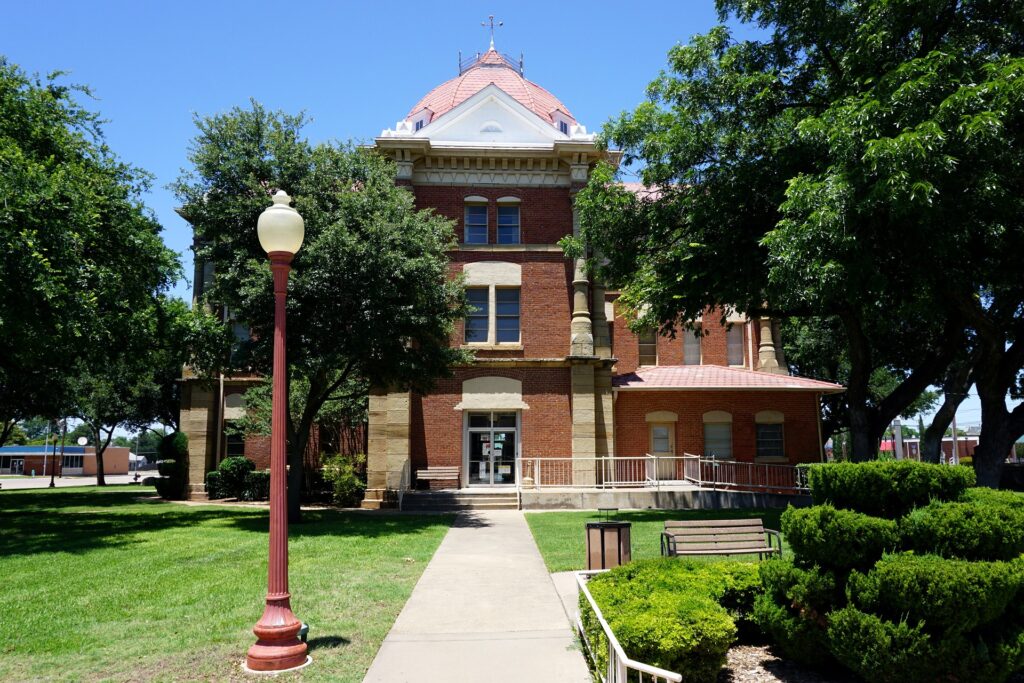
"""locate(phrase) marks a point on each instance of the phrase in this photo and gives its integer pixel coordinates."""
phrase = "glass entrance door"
(493, 441)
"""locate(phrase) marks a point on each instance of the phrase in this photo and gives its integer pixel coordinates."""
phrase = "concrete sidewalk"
(485, 609)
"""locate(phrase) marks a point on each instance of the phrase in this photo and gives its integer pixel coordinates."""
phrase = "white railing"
(404, 483)
(645, 471)
(619, 664)
(730, 474)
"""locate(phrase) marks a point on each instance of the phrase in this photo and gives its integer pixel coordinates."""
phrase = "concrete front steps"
(456, 499)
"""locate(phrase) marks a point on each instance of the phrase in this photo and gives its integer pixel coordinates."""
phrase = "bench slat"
(699, 523)
(720, 538)
(715, 530)
(728, 551)
(725, 545)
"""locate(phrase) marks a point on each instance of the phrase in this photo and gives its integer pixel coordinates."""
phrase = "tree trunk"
(863, 444)
(958, 380)
(296, 449)
(100, 479)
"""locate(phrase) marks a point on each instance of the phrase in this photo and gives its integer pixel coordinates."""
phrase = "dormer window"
(419, 124)
(563, 127)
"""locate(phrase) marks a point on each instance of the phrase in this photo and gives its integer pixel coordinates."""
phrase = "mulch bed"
(757, 664)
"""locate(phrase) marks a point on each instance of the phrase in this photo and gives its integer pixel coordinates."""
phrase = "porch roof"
(705, 377)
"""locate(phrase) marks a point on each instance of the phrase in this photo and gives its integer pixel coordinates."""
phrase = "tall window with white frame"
(647, 345)
(691, 346)
(508, 223)
(506, 317)
(475, 224)
(734, 338)
(478, 315)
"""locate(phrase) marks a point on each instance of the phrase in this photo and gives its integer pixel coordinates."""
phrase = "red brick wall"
(714, 345)
(545, 213)
(545, 302)
(800, 409)
(545, 429)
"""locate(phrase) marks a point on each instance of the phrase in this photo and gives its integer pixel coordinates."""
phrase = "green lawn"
(561, 539)
(99, 586)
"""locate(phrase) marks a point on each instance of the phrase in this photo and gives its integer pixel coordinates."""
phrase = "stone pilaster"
(387, 446)
(604, 405)
(199, 421)
(584, 425)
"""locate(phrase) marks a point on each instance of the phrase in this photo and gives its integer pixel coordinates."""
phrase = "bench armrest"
(668, 544)
(778, 538)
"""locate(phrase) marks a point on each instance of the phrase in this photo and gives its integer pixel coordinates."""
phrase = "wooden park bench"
(428, 474)
(719, 537)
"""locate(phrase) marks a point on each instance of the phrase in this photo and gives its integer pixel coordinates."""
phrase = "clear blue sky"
(354, 67)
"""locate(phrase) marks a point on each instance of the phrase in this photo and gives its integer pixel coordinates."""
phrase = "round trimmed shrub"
(167, 468)
(233, 472)
(213, 486)
(983, 494)
(257, 485)
(969, 531)
(837, 539)
(889, 488)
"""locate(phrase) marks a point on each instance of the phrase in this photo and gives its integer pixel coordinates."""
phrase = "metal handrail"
(607, 471)
(619, 663)
(721, 473)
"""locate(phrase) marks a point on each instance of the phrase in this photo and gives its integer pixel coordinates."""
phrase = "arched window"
(475, 220)
(718, 434)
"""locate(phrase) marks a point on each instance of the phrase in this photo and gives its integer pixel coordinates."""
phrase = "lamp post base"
(278, 647)
(247, 669)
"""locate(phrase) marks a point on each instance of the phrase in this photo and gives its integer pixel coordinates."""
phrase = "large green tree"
(860, 163)
(369, 300)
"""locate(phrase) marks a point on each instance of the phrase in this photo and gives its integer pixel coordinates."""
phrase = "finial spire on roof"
(490, 19)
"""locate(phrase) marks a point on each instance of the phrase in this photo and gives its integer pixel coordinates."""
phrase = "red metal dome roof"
(491, 67)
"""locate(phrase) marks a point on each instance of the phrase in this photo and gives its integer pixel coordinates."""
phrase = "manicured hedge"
(945, 596)
(677, 615)
(888, 489)
(257, 485)
(970, 531)
(983, 494)
(172, 464)
(840, 539)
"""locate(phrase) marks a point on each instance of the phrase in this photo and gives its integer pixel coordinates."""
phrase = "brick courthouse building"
(559, 380)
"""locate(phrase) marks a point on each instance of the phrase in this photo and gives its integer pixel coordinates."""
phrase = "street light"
(278, 648)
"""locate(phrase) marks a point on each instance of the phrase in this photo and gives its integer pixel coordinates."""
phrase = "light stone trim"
(493, 273)
(475, 199)
(234, 406)
(509, 200)
(492, 393)
(512, 248)
(717, 417)
(662, 416)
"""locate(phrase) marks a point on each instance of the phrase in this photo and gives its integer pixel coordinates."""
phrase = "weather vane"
(490, 20)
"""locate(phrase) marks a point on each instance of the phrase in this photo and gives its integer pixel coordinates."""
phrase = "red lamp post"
(278, 647)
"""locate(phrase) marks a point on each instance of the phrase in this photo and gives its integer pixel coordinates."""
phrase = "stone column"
(602, 333)
(605, 411)
(766, 358)
(582, 338)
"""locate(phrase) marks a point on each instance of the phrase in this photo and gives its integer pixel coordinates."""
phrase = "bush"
(233, 473)
(799, 636)
(970, 531)
(214, 489)
(149, 481)
(341, 475)
(172, 466)
(946, 596)
(257, 485)
(837, 539)
(887, 489)
(678, 615)
(983, 494)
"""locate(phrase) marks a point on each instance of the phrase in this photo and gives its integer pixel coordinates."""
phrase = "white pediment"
(490, 117)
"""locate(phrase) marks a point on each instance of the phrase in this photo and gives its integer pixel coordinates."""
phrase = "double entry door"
(492, 444)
